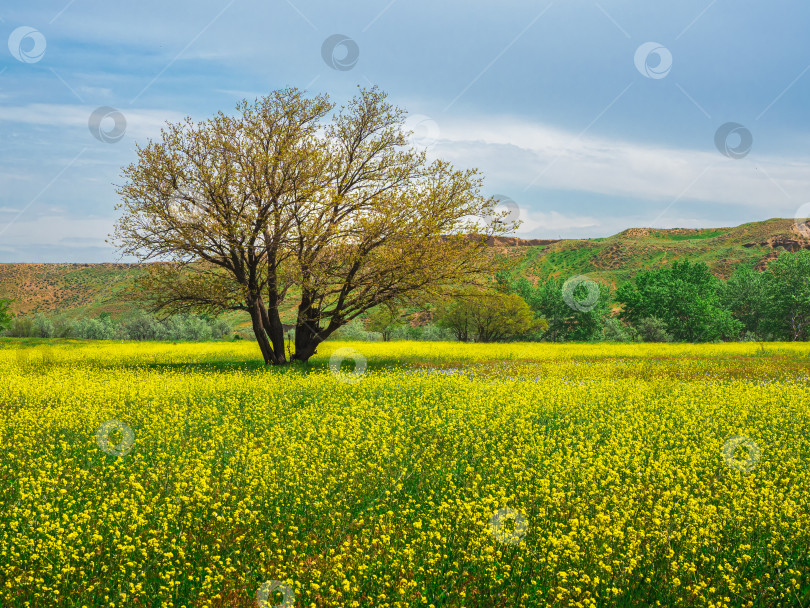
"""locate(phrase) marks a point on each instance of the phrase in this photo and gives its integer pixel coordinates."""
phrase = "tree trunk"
(261, 334)
(275, 330)
(270, 316)
(306, 341)
(307, 330)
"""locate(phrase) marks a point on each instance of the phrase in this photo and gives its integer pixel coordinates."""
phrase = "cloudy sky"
(592, 117)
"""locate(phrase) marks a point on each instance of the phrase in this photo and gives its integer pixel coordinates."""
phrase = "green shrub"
(42, 327)
(145, 327)
(615, 331)
(653, 329)
(21, 327)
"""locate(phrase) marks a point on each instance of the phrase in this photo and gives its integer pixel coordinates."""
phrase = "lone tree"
(384, 320)
(6, 315)
(295, 198)
(486, 316)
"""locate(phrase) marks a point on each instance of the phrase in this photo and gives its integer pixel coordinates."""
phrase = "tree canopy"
(774, 303)
(573, 310)
(384, 320)
(486, 316)
(6, 315)
(293, 199)
(685, 296)
(786, 302)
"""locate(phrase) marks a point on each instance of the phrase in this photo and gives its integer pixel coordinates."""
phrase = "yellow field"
(446, 475)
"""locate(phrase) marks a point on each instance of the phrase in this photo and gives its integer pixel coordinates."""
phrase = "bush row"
(140, 327)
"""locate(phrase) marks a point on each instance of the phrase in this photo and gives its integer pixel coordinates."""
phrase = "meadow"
(424, 474)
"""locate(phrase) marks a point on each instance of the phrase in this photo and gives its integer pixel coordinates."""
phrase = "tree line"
(681, 302)
(142, 326)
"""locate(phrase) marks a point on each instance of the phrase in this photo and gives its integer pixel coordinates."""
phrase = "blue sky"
(567, 107)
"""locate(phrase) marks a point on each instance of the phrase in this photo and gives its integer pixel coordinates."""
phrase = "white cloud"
(140, 123)
(532, 221)
(97, 92)
(59, 229)
(528, 154)
(249, 95)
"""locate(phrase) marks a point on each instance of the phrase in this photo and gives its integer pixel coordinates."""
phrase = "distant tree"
(220, 327)
(354, 330)
(455, 316)
(62, 327)
(290, 197)
(652, 329)
(42, 327)
(786, 287)
(21, 327)
(498, 316)
(432, 332)
(188, 327)
(614, 331)
(102, 328)
(384, 320)
(743, 294)
(566, 322)
(145, 327)
(6, 316)
(486, 316)
(685, 297)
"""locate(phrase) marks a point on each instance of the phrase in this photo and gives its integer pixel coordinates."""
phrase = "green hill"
(90, 289)
(74, 289)
(618, 258)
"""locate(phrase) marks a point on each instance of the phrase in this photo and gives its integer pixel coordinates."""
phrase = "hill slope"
(618, 258)
(76, 289)
(91, 289)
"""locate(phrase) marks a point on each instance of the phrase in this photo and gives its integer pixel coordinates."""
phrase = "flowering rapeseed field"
(441, 475)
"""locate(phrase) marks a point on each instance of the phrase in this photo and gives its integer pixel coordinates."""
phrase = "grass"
(698, 235)
(445, 475)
